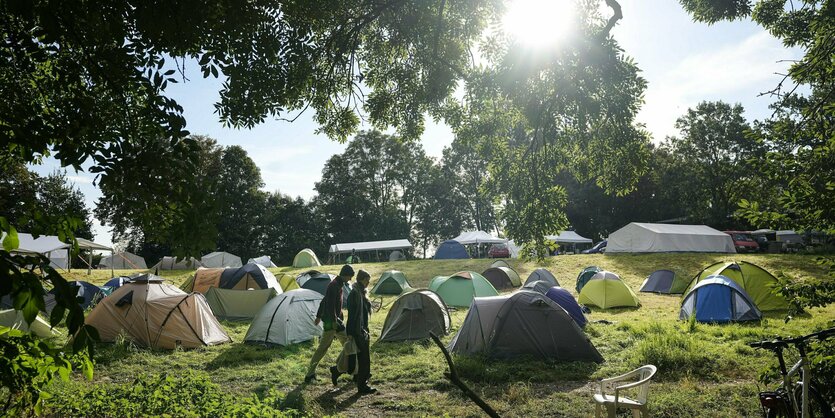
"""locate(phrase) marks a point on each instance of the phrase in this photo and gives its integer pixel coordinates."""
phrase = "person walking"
(359, 308)
(330, 314)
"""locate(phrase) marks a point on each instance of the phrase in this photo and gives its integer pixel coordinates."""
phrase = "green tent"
(392, 282)
(288, 283)
(11, 318)
(306, 258)
(584, 277)
(460, 288)
(606, 290)
(502, 277)
(755, 280)
(237, 305)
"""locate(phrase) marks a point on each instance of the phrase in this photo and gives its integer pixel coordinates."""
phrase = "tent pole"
(69, 260)
(112, 260)
(89, 262)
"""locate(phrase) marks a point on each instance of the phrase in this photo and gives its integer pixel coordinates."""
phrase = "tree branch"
(612, 20)
(453, 376)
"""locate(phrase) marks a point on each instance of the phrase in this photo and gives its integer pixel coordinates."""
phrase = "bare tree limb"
(453, 377)
(612, 20)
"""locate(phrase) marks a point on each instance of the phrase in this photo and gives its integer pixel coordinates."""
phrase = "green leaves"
(10, 241)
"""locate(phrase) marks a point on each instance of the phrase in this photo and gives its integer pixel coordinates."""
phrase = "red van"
(743, 241)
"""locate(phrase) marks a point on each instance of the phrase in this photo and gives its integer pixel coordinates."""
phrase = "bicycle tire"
(818, 408)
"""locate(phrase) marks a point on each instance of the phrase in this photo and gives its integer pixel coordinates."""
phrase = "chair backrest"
(645, 374)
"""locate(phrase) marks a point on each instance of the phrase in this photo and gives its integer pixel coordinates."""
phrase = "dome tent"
(123, 261)
(502, 277)
(460, 288)
(157, 315)
(500, 263)
(237, 305)
(719, 299)
(544, 275)
(563, 298)
(522, 323)
(14, 319)
(288, 282)
(174, 263)
(263, 260)
(584, 277)
(87, 294)
(391, 282)
(117, 282)
(660, 281)
(306, 258)
(755, 280)
(397, 255)
(219, 259)
(451, 250)
(606, 290)
(250, 276)
(414, 315)
(318, 282)
(540, 286)
(286, 319)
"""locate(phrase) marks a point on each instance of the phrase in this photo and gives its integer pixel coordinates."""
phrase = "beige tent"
(250, 276)
(157, 315)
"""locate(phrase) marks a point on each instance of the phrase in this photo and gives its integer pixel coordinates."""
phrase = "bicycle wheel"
(818, 407)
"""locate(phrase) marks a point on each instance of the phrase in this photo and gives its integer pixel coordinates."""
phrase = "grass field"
(704, 370)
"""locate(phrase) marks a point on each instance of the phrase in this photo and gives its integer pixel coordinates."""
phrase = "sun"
(538, 23)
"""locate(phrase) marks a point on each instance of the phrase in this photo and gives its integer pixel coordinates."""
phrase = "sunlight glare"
(538, 23)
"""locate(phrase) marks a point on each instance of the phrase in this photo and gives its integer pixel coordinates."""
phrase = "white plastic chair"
(612, 402)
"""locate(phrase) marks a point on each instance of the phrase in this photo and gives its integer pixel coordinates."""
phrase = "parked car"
(498, 251)
(743, 241)
(600, 247)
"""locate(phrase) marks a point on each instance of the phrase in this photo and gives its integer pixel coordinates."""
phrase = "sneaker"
(310, 378)
(367, 390)
(334, 375)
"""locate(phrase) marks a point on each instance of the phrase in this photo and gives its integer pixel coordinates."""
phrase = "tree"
(288, 225)
(467, 163)
(712, 155)
(240, 203)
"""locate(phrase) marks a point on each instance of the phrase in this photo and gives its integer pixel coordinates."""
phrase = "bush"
(191, 395)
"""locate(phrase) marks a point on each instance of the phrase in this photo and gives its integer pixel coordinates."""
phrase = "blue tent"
(564, 299)
(117, 282)
(719, 299)
(451, 249)
(88, 293)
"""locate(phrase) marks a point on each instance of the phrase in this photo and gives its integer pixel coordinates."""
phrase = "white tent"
(661, 238)
(123, 261)
(286, 319)
(220, 259)
(264, 260)
(48, 245)
(478, 237)
(174, 263)
(789, 237)
(569, 237)
(395, 244)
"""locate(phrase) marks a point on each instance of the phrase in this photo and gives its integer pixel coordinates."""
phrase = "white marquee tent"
(661, 238)
(478, 237)
(569, 237)
(369, 247)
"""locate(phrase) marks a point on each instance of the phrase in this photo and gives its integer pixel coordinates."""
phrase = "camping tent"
(87, 294)
(174, 263)
(566, 301)
(502, 277)
(660, 281)
(755, 280)
(397, 255)
(286, 319)
(719, 299)
(306, 258)
(264, 260)
(220, 259)
(500, 263)
(414, 315)
(664, 238)
(540, 286)
(117, 282)
(606, 290)
(123, 261)
(391, 282)
(522, 323)
(460, 288)
(317, 281)
(543, 275)
(449, 250)
(48, 245)
(250, 276)
(585, 276)
(13, 319)
(287, 282)
(234, 304)
(157, 315)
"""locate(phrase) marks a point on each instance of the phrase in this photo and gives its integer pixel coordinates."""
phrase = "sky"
(684, 62)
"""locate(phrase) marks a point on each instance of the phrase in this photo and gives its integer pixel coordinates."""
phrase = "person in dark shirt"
(359, 308)
(330, 314)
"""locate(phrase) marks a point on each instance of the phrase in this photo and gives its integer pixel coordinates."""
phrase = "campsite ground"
(704, 370)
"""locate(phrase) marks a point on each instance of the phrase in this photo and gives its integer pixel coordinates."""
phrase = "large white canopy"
(395, 244)
(478, 237)
(570, 237)
(86, 244)
(41, 245)
(659, 238)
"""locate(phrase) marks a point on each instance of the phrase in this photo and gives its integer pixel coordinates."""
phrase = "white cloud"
(733, 73)
(80, 179)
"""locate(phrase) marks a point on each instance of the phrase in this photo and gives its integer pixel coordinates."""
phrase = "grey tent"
(500, 263)
(123, 261)
(660, 281)
(544, 275)
(237, 305)
(318, 281)
(391, 282)
(414, 315)
(502, 277)
(520, 324)
(286, 319)
(397, 255)
(539, 286)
